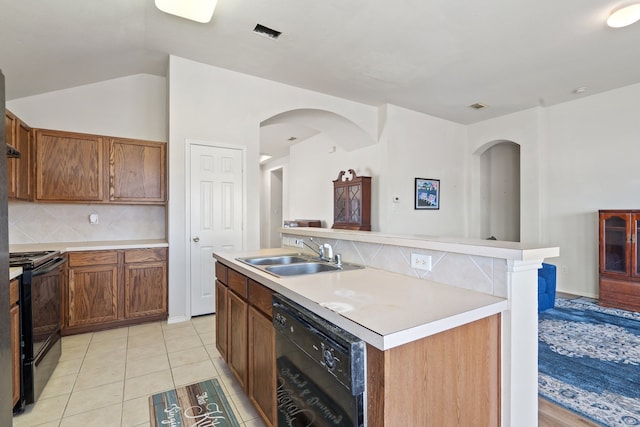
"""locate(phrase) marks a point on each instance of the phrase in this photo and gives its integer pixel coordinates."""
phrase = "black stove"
(31, 259)
(40, 326)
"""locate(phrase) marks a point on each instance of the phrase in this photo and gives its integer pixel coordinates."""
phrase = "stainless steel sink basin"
(302, 268)
(295, 265)
(275, 260)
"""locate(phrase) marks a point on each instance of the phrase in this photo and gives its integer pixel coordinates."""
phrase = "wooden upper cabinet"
(19, 174)
(137, 171)
(10, 129)
(70, 167)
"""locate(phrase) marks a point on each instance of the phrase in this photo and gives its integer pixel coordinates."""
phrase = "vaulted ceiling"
(432, 56)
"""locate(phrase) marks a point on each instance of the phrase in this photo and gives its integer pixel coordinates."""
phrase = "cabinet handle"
(196, 239)
(633, 238)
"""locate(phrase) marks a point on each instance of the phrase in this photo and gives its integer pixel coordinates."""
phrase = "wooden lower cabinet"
(262, 361)
(448, 379)
(237, 337)
(107, 289)
(14, 314)
(245, 337)
(93, 295)
(221, 318)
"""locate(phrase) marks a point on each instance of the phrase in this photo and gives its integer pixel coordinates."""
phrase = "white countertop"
(479, 247)
(14, 272)
(384, 309)
(88, 246)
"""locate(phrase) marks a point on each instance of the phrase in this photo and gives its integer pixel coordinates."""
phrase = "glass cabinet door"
(635, 237)
(355, 204)
(340, 204)
(615, 230)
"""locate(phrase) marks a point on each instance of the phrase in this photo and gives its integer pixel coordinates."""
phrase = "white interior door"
(216, 217)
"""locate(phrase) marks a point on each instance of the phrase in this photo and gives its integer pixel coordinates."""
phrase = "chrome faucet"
(324, 251)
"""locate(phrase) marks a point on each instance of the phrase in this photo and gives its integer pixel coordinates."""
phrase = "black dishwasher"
(321, 370)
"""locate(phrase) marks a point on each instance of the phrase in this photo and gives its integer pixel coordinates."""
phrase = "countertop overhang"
(384, 309)
(88, 246)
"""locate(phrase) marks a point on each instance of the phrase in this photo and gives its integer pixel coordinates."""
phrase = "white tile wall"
(49, 223)
(482, 274)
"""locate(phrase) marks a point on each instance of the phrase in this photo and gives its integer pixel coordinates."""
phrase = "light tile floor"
(105, 378)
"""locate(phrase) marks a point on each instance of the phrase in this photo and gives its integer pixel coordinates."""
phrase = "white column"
(520, 346)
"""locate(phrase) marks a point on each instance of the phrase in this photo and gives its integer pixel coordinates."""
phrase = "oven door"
(46, 285)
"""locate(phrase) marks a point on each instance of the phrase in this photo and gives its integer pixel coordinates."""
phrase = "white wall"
(527, 129)
(213, 104)
(314, 165)
(415, 145)
(130, 107)
(591, 163)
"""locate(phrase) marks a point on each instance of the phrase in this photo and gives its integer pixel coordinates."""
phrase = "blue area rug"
(589, 361)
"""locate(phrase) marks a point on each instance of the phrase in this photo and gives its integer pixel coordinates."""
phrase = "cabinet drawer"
(261, 297)
(221, 272)
(145, 255)
(14, 292)
(77, 259)
(237, 283)
(619, 294)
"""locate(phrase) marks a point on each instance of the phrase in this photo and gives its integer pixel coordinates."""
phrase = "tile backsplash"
(50, 223)
(482, 274)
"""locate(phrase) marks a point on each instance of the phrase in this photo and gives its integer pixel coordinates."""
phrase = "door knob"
(196, 239)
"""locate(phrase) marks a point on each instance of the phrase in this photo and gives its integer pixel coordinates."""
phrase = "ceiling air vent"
(478, 106)
(263, 31)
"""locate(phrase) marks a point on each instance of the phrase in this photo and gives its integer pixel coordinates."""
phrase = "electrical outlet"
(298, 243)
(421, 262)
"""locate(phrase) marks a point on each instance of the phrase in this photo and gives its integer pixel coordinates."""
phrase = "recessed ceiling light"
(478, 105)
(624, 16)
(292, 138)
(267, 32)
(195, 10)
(580, 89)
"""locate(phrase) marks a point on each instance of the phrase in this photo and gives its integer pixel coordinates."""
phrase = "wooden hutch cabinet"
(620, 259)
(352, 202)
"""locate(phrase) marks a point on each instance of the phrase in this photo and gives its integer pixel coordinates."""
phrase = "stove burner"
(33, 258)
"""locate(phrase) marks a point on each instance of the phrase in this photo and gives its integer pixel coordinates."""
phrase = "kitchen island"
(433, 351)
(501, 276)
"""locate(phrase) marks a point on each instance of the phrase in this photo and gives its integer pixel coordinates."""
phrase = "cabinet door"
(615, 238)
(15, 352)
(262, 365)
(93, 295)
(10, 126)
(23, 165)
(137, 171)
(145, 289)
(237, 337)
(69, 167)
(635, 253)
(221, 319)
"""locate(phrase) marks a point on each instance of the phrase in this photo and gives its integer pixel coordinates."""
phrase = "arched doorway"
(499, 189)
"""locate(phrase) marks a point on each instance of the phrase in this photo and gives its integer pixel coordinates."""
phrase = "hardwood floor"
(551, 415)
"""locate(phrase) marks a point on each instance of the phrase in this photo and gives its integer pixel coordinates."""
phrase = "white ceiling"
(432, 56)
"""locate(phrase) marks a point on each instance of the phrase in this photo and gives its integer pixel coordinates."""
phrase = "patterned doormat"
(200, 404)
(589, 361)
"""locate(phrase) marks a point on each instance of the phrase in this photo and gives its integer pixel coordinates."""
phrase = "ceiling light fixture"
(478, 105)
(195, 10)
(624, 16)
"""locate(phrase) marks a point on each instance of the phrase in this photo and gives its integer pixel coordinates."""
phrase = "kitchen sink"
(295, 265)
(302, 268)
(275, 260)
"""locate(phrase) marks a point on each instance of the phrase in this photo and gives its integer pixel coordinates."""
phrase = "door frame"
(187, 188)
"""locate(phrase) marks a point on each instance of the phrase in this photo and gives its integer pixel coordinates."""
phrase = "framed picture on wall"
(427, 193)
